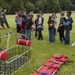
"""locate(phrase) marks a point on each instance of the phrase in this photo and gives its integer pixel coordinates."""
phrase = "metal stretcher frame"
(18, 56)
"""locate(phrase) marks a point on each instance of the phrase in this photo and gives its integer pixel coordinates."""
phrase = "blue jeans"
(28, 34)
(23, 32)
(51, 35)
(67, 38)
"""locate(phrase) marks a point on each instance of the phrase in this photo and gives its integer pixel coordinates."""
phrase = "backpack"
(69, 27)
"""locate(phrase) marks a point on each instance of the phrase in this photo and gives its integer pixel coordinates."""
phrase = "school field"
(42, 51)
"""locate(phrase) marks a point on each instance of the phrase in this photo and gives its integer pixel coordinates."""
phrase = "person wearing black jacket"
(23, 27)
(68, 27)
(40, 26)
(61, 27)
(36, 23)
(28, 27)
(1, 17)
(5, 19)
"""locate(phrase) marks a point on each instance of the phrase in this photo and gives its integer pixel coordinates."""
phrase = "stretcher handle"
(8, 35)
(43, 73)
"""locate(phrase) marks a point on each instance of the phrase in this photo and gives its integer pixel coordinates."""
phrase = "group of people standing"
(3, 18)
(65, 26)
(25, 23)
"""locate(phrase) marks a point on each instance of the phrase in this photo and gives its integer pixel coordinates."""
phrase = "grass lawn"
(42, 51)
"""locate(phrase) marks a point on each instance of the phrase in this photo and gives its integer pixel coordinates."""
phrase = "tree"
(66, 5)
(25, 1)
(8, 1)
(5, 5)
(73, 1)
(53, 6)
(32, 1)
(45, 4)
(39, 6)
(30, 7)
(17, 5)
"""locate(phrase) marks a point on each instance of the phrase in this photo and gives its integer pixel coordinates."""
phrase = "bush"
(30, 7)
(17, 5)
(5, 5)
(66, 5)
(53, 6)
(39, 6)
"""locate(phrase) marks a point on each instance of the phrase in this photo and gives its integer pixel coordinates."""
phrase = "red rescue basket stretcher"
(52, 66)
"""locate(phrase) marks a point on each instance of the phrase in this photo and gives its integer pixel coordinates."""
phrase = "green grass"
(42, 51)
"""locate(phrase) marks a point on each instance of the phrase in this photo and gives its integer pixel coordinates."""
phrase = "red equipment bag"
(23, 42)
(3, 55)
(52, 66)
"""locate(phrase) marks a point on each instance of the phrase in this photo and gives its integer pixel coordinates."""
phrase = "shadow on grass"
(69, 63)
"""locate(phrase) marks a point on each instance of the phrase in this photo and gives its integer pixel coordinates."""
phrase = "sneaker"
(73, 44)
(66, 43)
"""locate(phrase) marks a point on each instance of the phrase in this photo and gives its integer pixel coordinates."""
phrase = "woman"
(40, 26)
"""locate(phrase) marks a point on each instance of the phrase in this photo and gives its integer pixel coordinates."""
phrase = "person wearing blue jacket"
(18, 22)
(68, 27)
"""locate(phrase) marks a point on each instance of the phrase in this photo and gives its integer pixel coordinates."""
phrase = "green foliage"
(66, 5)
(30, 7)
(25, 1)
(8, 1)
(5, 5)
(38, 5)
(33, 1)
(45, 4)
(17, 5)
(73, 1)
(53, 6)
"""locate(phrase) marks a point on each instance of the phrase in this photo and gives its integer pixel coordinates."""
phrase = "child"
(55, 20)
(1, 27)
(23, 27)
(40, 26)
(51, 29)
(33, 26)
(68, 27)
(61, 27)
(36, 23)
(18, 22)
(28, 27)
(31, 15)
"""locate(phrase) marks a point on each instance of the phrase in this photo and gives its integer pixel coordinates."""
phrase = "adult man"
(4, 18)
(1, 17)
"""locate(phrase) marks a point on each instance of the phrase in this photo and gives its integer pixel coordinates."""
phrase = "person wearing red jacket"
(23, 27)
